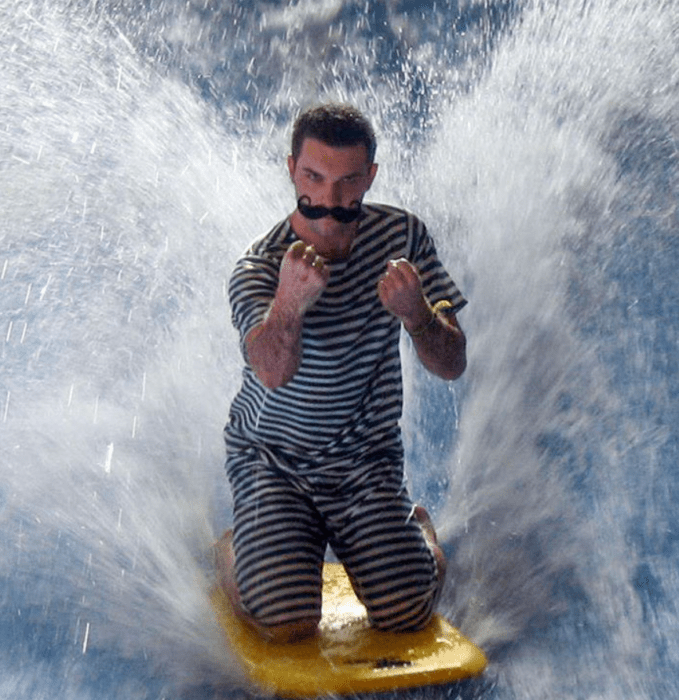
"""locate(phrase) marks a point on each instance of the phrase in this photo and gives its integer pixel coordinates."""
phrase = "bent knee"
(287, 617)
(406, 618)
(409, 611)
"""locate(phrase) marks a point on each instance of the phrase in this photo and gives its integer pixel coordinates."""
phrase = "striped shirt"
(345, 400)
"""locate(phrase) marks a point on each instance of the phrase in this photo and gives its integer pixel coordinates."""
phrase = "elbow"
(453, 370)
(457, 370)
(269, 383)
(456, 363)
(272, 368)
(273, 379)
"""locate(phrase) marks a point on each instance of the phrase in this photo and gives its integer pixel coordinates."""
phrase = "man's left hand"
(400, 292)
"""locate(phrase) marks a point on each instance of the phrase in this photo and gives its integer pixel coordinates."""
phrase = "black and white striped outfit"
(319, 460)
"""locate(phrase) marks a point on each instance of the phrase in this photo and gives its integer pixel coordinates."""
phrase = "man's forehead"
(316, 154)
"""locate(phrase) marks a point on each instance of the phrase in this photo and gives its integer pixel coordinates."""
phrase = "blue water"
(142, 146)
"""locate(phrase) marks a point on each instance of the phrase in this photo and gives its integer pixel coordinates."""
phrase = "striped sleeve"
(437, 284)
(254, 280)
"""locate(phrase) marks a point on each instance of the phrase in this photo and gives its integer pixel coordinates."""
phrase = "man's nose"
(333, 195)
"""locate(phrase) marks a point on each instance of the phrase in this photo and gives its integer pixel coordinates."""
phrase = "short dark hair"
(334, 125)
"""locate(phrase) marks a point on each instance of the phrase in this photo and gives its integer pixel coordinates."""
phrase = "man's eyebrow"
(355, 173)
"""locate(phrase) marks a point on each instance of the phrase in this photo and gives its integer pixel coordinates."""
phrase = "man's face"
(331, 177)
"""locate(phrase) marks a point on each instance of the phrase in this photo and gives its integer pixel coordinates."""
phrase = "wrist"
(287, 316)
(426, 321)
(288, 303)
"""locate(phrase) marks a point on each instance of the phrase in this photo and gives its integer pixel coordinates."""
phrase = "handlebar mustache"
(344, 215)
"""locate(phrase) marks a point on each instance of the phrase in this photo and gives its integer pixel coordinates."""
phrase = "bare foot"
(225, 564)
(422, 516)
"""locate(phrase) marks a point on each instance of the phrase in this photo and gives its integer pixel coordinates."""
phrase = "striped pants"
(283, 523)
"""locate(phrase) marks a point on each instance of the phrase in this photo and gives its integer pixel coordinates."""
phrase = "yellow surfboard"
(347, 655)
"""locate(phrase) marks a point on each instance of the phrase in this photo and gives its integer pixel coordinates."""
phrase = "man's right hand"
(302, 279)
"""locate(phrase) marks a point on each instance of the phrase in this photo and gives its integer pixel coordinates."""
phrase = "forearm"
(438, 338)
(441, 345)
(274, 347)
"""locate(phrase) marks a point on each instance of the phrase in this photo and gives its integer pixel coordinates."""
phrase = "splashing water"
(143, 148)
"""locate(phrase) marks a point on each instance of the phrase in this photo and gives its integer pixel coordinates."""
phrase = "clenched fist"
(400, 292)
(302, 279)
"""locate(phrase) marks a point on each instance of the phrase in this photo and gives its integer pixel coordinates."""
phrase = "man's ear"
(291, 166)
(371, 174)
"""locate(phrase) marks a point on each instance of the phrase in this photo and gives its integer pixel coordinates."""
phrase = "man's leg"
(388, 546)
(225, 562)
(270, 565)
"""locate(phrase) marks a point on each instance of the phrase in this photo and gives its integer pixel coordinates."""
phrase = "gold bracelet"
(442, 305)
(439, 306)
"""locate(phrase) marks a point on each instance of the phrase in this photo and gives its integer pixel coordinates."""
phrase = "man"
(314, 453)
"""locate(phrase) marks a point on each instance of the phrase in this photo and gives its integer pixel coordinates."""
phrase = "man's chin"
(330, 229)
(334, 240)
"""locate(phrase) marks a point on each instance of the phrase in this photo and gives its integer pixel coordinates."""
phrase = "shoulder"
(260, 262)
(274, 243)
(393, 226)
(374, 210)
(388, 219)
